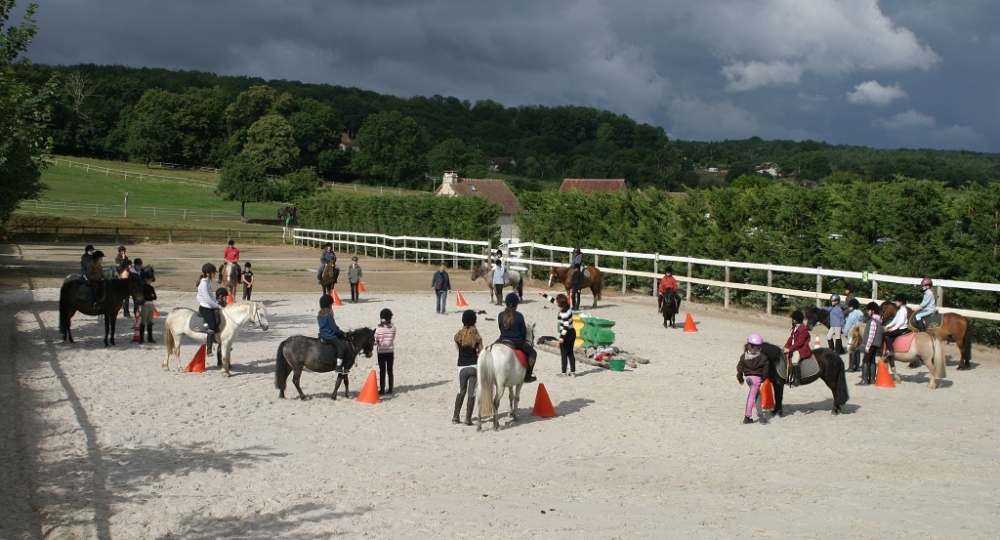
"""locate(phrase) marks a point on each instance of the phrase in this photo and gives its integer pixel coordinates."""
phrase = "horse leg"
(892, 369)
(107, 329)
(496, 412)
(779, 391)
(347, 386)
(336, 387)
(295, 381)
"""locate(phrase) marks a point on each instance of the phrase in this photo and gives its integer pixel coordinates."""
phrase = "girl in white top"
(207, 304)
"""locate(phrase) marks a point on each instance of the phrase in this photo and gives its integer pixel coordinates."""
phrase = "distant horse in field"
(924, 346)
(328, 278)
(670, 305)
(498, 370)
(73, 299)
(830, 368)
(229, 276)
(298, 352)
(183, 321)
(512, 279)
(564, 275)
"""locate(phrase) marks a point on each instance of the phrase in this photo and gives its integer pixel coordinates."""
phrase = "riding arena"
(102, 442)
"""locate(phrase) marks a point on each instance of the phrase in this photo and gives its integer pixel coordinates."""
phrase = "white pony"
(497, 370)
(236, 314)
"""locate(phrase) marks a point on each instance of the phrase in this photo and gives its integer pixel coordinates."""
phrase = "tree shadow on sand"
(284, 523)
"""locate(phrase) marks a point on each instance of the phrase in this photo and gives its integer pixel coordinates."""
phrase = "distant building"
(494, 190)
(768, 168)
(593, 185)
(347, 143)
(712, 169)
(496, 162)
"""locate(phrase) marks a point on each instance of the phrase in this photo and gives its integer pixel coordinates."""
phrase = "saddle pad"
(809, 367)
(85, 293)
(903, 342)
(521, 358)
(933, 320)
(197, 324)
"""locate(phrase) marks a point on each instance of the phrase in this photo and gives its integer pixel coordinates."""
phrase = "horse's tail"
(487, 383)
(598, 285)
(520, 286)
(840, 394)
(940, 370)
(281, 367)
(170, 341)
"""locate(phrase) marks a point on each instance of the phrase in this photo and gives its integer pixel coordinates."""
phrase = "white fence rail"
(117, 210)
(413, 247)
(126, 174)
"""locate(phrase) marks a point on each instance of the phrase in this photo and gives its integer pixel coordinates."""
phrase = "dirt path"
(102, 443)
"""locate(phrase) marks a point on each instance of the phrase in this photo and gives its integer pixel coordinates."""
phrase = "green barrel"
(596, 332)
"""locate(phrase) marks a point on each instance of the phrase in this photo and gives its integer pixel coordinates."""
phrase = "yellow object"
(578, 325)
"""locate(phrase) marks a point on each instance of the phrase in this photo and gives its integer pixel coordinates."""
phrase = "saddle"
(197, 323)
(328, 353)
(808, 367)
(86, 293)
(902, 343)
(521, 357)
(933, 320)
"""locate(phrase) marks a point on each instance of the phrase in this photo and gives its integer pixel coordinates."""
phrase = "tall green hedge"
(468, 218)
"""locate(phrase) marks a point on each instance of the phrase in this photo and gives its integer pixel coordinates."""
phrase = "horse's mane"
(771, 351)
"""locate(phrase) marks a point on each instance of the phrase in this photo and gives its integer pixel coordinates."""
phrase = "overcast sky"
(888, 73)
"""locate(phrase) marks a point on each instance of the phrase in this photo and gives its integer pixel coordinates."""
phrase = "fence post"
(531, 258)
(116, 235)
(170, 236)
(819, 285)
(624, 277)
(656, 270)
(596, 257)
(454, 257)
(940, 293)
(875, 291)
(769, 278)
(689, 283)
(404, 249)
(726, 299)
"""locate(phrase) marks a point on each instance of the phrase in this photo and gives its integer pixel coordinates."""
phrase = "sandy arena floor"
(102, 443)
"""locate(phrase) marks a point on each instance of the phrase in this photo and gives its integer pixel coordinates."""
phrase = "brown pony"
(564, 275)
(953, 327)
(329, 277)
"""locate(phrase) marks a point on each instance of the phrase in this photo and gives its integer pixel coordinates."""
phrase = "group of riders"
(93, 276)
(876, 334)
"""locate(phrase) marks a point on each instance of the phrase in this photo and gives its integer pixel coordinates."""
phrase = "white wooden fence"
(412, 248)
(126, 174)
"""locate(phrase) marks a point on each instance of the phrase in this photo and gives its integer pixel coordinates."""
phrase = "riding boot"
(458, 408)
(865, 369)
(528, 377)
(853, 368)
(840, 347)
(468, 409)
(149, 333)
(209, 342)
(796, 375)
(829, 345)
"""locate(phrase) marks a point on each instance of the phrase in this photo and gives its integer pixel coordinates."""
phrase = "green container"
(616, 365)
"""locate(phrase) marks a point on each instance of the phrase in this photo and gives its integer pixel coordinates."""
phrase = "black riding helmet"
(221, 291)
(900, 298)
(511, 300)
(385, 315)
(232, 242)
(469, 318)
(854, 303)
(121, 249)
(798, 316)
(98, 254)
(88, 248)
(208, 268)
(872, 306)
(325, 301)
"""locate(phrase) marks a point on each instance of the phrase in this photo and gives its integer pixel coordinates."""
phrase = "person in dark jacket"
(752, 368)
(514, 330)
(441, 284)
(469, 344)
(329, 332)
(797, 347)
(871, 342)
(85, 261)
(95, 273)
(147, 309)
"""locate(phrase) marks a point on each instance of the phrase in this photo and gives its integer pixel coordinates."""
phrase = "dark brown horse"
(564, 275)
(952, 327)
(329, 277)
(299, 352)
(670, 304)
(115, 293)
(831, 371)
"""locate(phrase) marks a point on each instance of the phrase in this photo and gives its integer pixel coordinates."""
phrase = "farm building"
(494, 190)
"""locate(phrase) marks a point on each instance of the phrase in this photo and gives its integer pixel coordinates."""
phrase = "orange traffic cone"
(156, 313)
(817, 343)
(336, 298)
(543, 405)
(689, 324)
(369, 394)
(460, 300)
(230, 299)
(883, 379)
(197, 364)
(136, 330)
(361, 286)
(767, 395)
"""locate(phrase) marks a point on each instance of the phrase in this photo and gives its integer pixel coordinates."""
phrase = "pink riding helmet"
(926, 281)
(755, 339)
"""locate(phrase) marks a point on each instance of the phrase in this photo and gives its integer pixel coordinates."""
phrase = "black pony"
(670, 304)
(116, 291)
(298, 352)
(816, 315)
(831, 370)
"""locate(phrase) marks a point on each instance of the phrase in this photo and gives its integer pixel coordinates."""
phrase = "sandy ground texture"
(102, 443)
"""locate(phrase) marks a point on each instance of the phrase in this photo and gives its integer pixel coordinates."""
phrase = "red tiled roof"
(592, 185)
(346, 140)
(494, 190)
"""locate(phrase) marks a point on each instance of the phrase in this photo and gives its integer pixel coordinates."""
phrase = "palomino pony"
(299, 352)
(670, 304)
(948, 327)
(115, 293)
(229, 276)
(924, 346)
(183, 321)
(564, 275)
(328, 279)
(513, 280)
(831, 371)
(498, 370)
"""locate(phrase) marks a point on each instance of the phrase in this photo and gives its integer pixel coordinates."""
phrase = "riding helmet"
(926, 281)
(798, 316)
(121, 249)
(329, 245)
(221, 291)
(89, 248)
(854, 303)
(385, 315)
(498, 262)
(668, 270)
(208, 268)
(848, 287)
(469, 318)
(354, 258)
(97, 254)
(834, 298)
(246, 264)
(232, 242)
(872, 306)
(511, 300)
(325, 301)
(576, 250)
(137, 262)
(900, 298)
(755, 339)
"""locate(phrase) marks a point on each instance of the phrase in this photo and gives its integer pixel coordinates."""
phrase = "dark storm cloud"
(887, 74)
